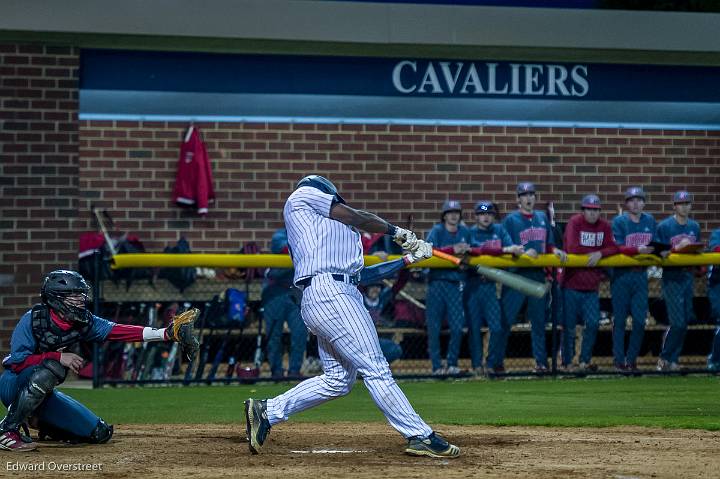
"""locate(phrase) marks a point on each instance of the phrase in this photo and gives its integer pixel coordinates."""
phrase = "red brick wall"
(38, 172)
(393, 170)
(129, 167)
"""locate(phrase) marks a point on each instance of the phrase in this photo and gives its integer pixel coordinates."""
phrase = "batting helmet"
(591, 201)
(634, 192)
(57, 289)
(322, 184)
(525, 187)
(682, 197)
(450, 205)
(483, 207)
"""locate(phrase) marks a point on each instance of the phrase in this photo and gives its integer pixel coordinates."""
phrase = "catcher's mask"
(322, 184)
(67, 293)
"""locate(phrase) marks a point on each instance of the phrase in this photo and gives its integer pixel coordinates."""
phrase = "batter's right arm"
(372, 223)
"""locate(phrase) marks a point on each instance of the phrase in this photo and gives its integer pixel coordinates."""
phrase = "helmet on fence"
(68, 293)
(322, 184)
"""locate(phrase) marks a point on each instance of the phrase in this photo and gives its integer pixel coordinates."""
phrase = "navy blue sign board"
(125, 84)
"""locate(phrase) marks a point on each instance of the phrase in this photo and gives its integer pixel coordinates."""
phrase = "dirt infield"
(375, 450)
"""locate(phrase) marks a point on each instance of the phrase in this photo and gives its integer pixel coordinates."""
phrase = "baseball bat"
(511, 280)
(526, 286)
(405, 295)
(453, 259)
(103, 229)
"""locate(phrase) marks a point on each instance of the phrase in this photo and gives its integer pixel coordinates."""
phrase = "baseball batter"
(486, 238)
(713, 293)
(532, 230)
(38, 362)
(677, 231)
(633, 231)
(326, 250)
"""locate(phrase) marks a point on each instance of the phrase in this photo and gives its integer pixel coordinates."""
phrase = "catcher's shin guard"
(42, 382)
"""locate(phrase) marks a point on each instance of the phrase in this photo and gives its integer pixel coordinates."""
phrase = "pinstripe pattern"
(335, 313)
(317, 243)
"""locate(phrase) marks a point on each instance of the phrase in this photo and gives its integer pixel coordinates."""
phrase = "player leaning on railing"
(38, 363)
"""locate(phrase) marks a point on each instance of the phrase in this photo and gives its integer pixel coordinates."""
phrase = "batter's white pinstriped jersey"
(319, 244)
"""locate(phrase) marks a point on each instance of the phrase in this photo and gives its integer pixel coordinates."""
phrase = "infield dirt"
(373, 450)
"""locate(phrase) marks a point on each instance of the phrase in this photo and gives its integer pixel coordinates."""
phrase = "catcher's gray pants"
(348, 345)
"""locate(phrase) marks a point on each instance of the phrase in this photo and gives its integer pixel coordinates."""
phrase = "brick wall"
(393, 170)
(129, 168)
(38, 172)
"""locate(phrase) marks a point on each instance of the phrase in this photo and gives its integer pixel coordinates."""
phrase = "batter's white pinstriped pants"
(348, 344)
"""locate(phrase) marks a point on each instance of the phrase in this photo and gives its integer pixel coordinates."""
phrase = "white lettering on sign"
(463, 78)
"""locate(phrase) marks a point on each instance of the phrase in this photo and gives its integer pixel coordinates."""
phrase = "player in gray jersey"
(327, 255)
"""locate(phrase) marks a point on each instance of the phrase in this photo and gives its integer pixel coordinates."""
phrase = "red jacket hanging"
(193, 185)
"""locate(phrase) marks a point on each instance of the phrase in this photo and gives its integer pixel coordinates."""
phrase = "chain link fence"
(247, 336)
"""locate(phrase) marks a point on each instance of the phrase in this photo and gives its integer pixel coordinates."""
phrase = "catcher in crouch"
(38, 363)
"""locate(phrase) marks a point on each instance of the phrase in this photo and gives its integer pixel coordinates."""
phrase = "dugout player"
(444, 298)
(38, 363)
(633, 231)
(676, 232)
(586, 233)
(280, 305)
(713, 292)
(327, 254)
(532, 230)
(486, 238)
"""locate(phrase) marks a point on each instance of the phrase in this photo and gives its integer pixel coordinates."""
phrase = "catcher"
(38, 363)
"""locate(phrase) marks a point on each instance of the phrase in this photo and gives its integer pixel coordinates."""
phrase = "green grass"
(666, 402)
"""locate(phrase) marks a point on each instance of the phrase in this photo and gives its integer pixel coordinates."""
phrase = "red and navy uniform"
(677, 287)
(581, 285)
(59, 411)
(533, 231)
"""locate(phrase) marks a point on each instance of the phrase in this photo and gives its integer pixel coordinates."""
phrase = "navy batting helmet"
(450, 205)
(322, 184)
(68, 293)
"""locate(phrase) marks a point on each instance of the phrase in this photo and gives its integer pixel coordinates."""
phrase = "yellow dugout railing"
(144, 260)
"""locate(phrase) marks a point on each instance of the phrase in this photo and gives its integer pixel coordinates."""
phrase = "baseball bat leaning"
(403, 294)
(526, 286)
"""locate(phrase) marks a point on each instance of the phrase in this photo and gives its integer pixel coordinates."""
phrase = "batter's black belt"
(343, 278)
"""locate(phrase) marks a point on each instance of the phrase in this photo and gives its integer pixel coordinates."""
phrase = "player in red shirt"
(586, 233)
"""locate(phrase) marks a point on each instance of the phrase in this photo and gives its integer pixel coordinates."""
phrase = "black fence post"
(97, 265)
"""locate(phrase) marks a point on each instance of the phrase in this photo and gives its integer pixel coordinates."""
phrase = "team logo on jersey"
(189, 156)
(638, 239)
(591, 239)
(532, 234)
(675, 240)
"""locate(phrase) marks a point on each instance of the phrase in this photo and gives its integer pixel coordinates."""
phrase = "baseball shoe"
(498, 370)
(621, 368)
(452, 370)
(257, 425)
(439, 372)
(13, 441)
(664, 365)
(588, 367)
(540, 369)
(432, 446)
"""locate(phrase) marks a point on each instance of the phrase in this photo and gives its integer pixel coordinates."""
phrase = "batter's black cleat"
(431, 446)
(257, 425)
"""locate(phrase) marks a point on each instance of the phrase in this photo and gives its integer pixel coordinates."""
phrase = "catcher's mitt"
(180, 330)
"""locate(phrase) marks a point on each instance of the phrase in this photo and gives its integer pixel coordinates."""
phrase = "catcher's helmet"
(322, 184)
(56, 292)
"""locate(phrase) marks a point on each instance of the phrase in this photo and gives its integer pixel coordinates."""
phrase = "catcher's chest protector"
(48, 336)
